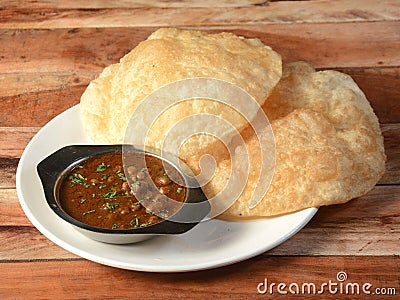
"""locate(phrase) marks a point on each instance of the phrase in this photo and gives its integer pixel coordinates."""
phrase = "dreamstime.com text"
(339, 286)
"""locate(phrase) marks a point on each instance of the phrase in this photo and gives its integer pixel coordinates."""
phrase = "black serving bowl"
(53, 168)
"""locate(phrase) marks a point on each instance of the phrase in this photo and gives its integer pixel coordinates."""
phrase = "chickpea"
(162, 180)
(132, 170)
(141, 175)
(136, 187)
(125, 211)
(164, 190)
(125, 186)
(94, 181)
(135, 207)
(153, 219)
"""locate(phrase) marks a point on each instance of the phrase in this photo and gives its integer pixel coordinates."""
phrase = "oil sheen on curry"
(96, 192)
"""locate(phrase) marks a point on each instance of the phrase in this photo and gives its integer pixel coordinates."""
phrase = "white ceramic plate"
(210, 244)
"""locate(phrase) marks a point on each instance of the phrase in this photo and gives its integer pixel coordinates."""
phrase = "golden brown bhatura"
(329, 147)
(169, 55)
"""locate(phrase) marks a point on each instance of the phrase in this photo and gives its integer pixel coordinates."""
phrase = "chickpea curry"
(99, 193)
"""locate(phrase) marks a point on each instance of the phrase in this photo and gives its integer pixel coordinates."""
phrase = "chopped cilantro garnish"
(114, 226)
(83, 200)
(134, 222)
(104, 177)
(102, 186)
(112, 206)
(102, 167)
(110, 195)
(89, 212)
(77, 178)
(145, 224)
(121, 175)
(179, 190)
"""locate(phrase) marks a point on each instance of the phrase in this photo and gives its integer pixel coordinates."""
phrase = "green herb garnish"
(121, 175)
(134, 222)
(145, 224)
(102, 186)
(89, 212)
(179, 190)
(83, 200)
(114, 226)
(102, 167)
(110, 195)
(77, 178)
(112, 206)
(104, 177)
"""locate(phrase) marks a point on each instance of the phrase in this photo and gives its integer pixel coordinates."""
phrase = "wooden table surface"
(50, 50)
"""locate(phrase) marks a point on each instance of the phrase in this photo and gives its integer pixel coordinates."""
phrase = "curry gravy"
(96, 192)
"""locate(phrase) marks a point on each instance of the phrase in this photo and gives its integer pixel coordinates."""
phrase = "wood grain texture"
(17, 84)
(146, 15)
(392, 148)
(36, 109)
(382, 88)
(32, 245)
(98, 4)
(11, 213)
(90, 50)
(369, 225)
(8, 167)
(84, 280)
(14, 140)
